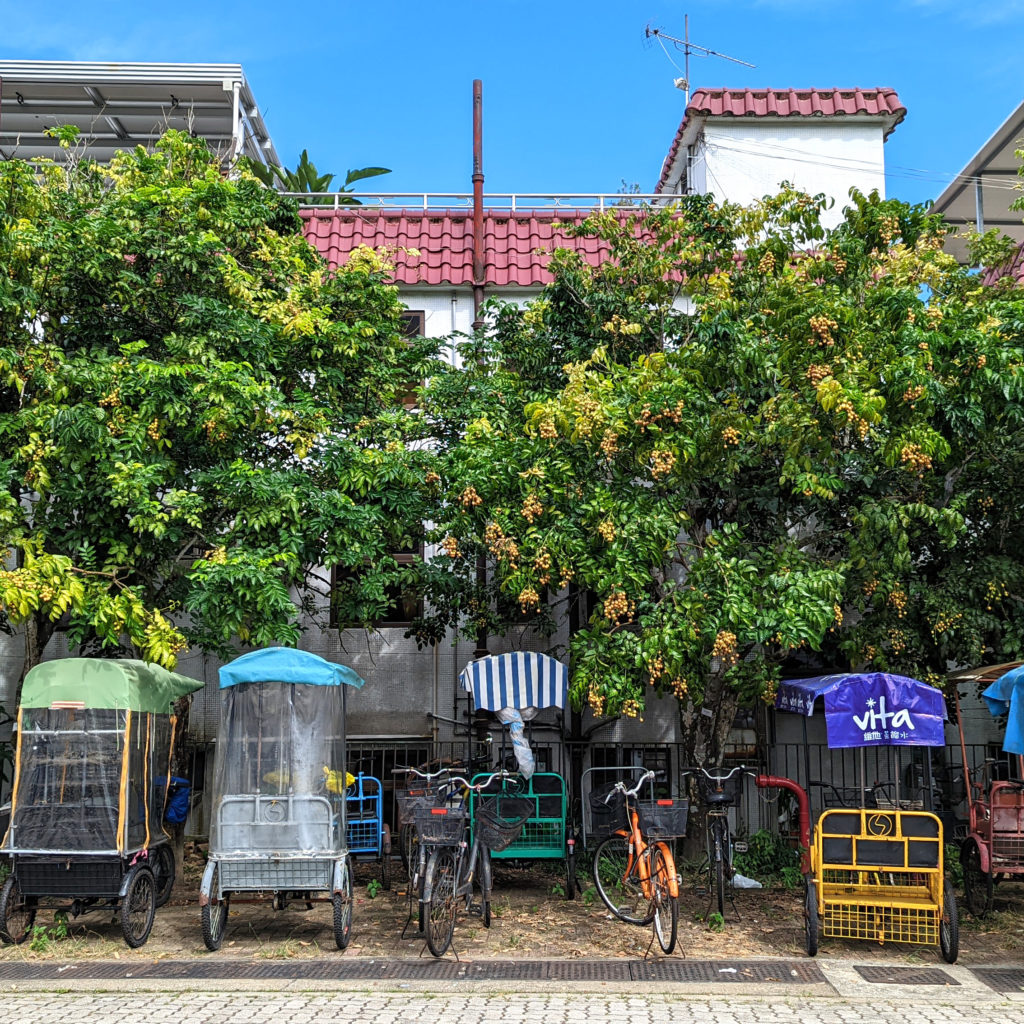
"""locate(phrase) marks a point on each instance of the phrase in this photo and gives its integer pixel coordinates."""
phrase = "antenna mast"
(689, 47)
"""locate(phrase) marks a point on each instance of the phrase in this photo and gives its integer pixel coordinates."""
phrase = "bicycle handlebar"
(722, 775)
(622, 787)
(422, 774)
(477, 786)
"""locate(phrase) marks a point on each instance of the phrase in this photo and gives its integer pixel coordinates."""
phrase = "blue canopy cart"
(515, 687)
(279, 824)
(994, 847)
(876, 872)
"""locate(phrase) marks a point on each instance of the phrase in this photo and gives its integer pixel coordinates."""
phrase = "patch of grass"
(716, 923)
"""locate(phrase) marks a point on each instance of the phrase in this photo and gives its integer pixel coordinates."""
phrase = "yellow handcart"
(876, 872)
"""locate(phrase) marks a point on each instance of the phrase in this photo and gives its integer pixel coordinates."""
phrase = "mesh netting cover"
(279, 774)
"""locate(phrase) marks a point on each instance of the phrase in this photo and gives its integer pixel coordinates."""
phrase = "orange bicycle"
(634, 869)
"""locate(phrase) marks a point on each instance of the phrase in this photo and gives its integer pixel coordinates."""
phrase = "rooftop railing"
(509, 202)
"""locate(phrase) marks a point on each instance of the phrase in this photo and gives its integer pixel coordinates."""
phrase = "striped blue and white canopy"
(521, 679)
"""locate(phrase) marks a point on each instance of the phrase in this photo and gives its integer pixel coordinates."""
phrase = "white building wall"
(743, 161)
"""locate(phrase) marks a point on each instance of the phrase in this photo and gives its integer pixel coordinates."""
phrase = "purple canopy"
(870, 709)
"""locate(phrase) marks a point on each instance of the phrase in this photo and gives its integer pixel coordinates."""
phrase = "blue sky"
(575, 98)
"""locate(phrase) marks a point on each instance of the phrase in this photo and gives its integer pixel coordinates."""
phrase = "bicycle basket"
(663, 819)
(440, 824)
(717, 791)
(415, 798)
(499, 823)
(607, 811)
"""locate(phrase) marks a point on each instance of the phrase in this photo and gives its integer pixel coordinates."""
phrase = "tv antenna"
(688, 47)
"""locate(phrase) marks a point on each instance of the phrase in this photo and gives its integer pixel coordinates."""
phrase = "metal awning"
(522, 679)
(122, 105)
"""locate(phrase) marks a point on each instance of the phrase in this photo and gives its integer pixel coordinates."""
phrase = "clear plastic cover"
(279, 774)
(75, 786)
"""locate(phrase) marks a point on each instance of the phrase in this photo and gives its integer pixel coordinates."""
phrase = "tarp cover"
(870, 709)
(1004, 697)
(105, 683)
(286, 665)
(518, 680)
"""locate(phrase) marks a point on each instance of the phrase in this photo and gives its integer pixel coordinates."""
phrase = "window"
(403, 606)
(414, 324)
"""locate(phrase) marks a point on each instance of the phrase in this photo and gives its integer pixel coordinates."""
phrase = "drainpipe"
(236, 121)
(478, 287)
(780, 782)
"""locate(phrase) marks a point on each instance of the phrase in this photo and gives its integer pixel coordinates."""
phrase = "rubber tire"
(440, 910)
(407, 847)
(570, 875)
(978, 885)
(13, 904)
(139, 898)
(666, 906)
(385, 858)
(341, 904)
(215, 915)
(486, 884)
(719, 871)
(812, 928)
(623, 895)
(949, 925)
(161, 859)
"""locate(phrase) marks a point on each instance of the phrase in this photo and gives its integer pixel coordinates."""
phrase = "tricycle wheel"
(385, 857)
(215, 913)
(342, 904)
(138, 907)
(162, 861)
(977, 883)
(811, 927)
(17, 914)
(949, 925)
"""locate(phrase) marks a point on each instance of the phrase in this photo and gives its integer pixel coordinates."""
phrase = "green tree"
(198, 421)
(306, 178)
(755, 456)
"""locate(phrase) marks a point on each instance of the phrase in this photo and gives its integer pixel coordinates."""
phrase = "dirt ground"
(531, 920)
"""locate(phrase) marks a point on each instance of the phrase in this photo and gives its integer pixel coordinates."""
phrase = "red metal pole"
(780, 782)
(478, 201)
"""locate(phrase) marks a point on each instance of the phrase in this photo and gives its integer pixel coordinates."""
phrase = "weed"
(588, 896)
(40, 937)
(770, 858)
(954, 868)
(373, 886)
(716, 923)
(513, 939)
(558, 890)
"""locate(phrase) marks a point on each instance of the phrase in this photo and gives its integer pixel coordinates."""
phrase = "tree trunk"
(179, 766)
(705, 731)
(38, 630)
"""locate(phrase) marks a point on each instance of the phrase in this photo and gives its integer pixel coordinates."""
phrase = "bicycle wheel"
(385, 857)
(17, 915)
(617, 878)
(162, 861)
(442, 875)
(485, 885)
(407, 847)
(666, 906)
(570, 873)
(718, 868)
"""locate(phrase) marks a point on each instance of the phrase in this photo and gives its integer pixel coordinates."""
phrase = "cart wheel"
(342, 904)
(138, 907)
(385, 857)
(440, 911)
(570, 873)
(162, 861)
(811, 929)
(215, 915)
(977, 883)
(949, 925)
(17, 914)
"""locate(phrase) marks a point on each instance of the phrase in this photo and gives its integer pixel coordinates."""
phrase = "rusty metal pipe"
(478, 201)
(780, 782)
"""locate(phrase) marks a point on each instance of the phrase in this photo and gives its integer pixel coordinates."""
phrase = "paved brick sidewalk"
(444, 1008)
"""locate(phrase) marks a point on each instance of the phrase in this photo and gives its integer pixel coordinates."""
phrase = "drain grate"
(425, 970)
(1001, 979)
(587, 970)
(883, 975)
(729, 972)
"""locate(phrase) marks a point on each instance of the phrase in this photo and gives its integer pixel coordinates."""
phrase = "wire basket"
(417, 798)
(498, 823)
(718, 791)
(607, 811)
(663, 819)
(440, 824)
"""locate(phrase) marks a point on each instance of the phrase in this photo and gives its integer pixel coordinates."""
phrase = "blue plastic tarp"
(1003, 697)
(518, 680)
(286, 665)
(870, 709)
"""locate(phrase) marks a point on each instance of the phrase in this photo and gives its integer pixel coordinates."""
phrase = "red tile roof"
(517, 246)
(883, 103)
(1013, 268)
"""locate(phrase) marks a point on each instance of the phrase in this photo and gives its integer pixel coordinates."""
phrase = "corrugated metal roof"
(784, 103)
(517, 246)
